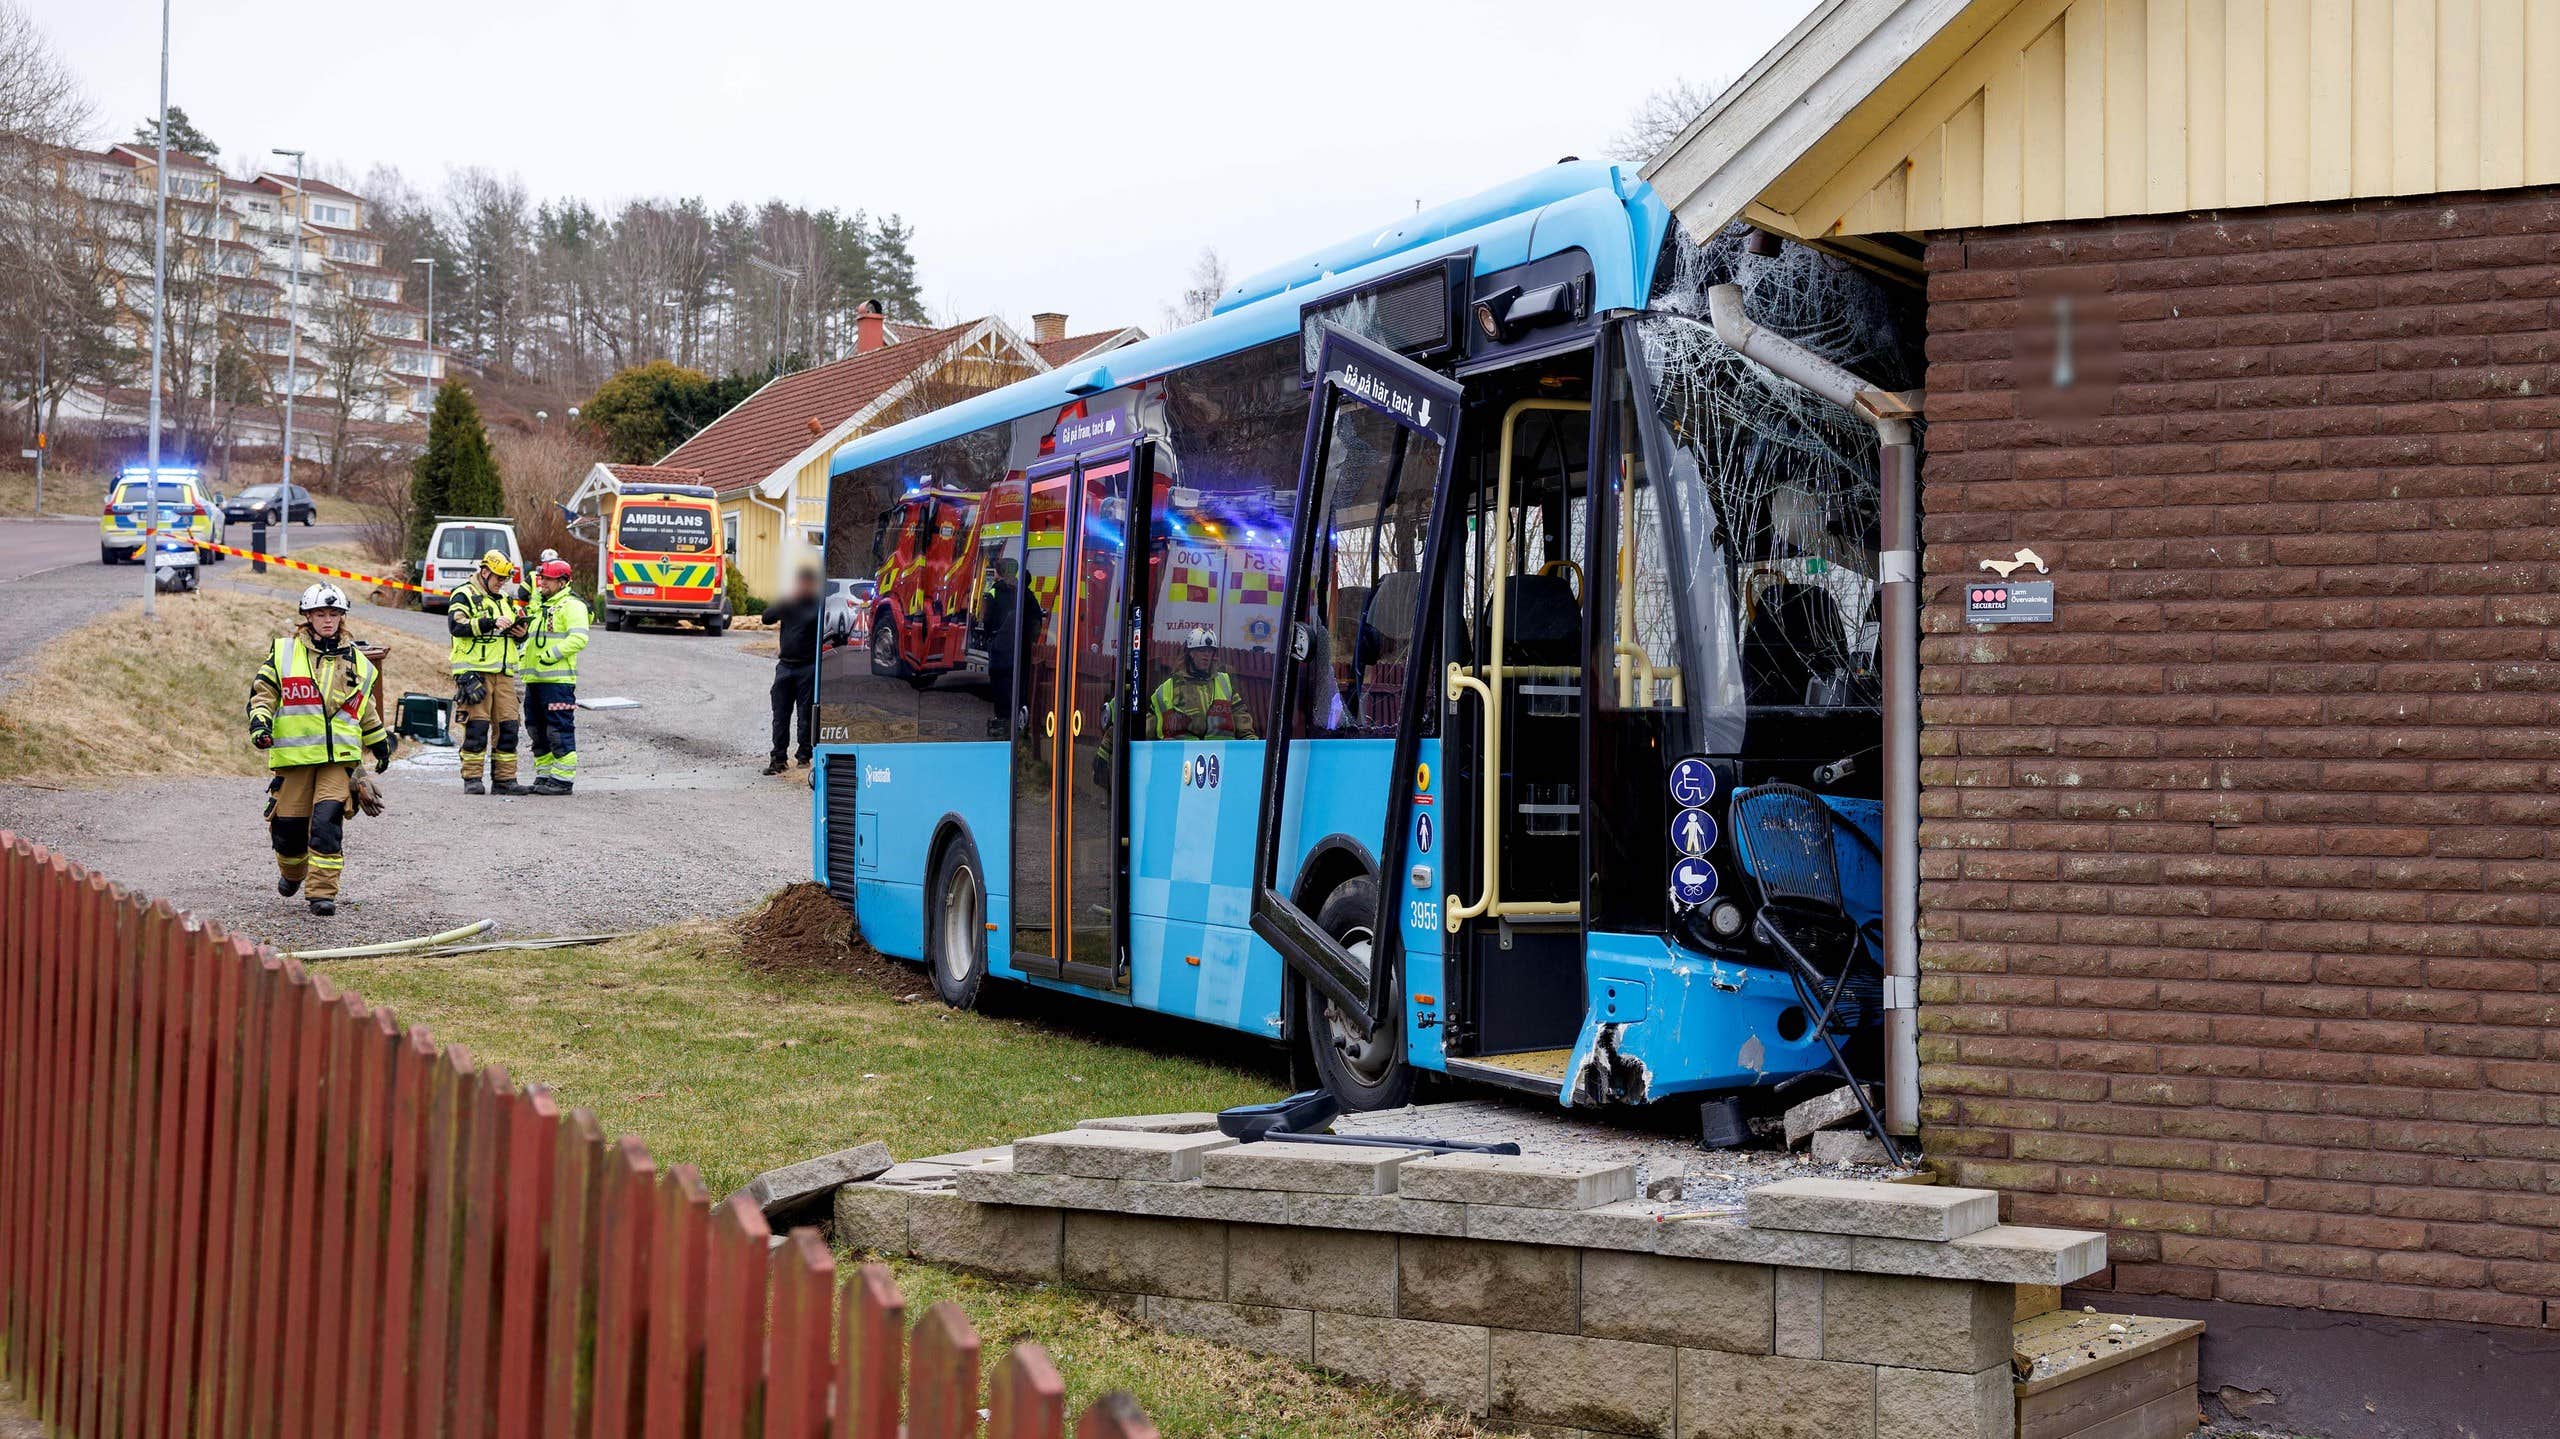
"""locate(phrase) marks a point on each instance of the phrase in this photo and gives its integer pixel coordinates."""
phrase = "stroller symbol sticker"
(1693, 833)
(1693, 783)
(1693, 883)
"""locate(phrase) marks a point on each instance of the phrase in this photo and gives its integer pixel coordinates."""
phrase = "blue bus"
(1381, 666)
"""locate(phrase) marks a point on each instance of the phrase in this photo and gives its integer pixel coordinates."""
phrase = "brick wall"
(2240, 878)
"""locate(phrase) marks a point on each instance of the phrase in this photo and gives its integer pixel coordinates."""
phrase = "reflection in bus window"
(1365, 588)
(1225, 481)
(902, 652)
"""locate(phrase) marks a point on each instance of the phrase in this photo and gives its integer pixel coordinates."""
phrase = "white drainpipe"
(781, 537)
(1898, 577)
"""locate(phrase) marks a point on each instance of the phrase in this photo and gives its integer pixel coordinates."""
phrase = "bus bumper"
(1661, 1021)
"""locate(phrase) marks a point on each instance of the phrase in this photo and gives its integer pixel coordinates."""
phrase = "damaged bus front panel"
(1449, 656)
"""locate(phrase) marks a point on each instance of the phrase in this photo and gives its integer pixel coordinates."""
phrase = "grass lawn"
(66, 492)
(123, 697)
(670, 1036)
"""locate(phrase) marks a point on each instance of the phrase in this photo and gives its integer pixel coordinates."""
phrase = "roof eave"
(774, 486)
(1805, 85)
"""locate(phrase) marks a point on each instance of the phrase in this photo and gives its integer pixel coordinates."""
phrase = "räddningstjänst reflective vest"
(552, 643)
(323, 713)
(479, 621)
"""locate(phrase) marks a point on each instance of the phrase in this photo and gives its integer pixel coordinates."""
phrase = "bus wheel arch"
(955, 931)
(1338, 885)
(1335, 861)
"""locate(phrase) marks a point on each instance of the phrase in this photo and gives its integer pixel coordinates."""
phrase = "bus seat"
(1543, 621)
(1793, 639)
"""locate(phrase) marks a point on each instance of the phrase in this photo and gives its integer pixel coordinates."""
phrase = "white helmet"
(1200, 637)
(324, 596)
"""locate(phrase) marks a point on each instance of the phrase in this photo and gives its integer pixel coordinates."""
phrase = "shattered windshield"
(1772, 489)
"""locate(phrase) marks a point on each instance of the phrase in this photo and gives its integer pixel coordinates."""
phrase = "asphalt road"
(51, 581)
(671, 819)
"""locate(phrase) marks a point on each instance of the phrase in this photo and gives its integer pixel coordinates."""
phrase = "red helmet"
(554, 570)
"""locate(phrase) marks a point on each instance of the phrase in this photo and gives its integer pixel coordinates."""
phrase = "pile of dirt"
(803, 929)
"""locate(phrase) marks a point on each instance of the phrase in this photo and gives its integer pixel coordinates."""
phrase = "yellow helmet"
(497, 563)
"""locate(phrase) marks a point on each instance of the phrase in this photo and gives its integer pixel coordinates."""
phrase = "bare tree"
(349, 359)
(40, 99)
(48, 302)
(1200, 292)
(1658, 119)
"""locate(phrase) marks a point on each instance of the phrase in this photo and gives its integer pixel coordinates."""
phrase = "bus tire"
(1364, 1072)
(955, 928)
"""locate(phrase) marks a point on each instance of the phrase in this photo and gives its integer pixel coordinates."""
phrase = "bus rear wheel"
(1363, 1070)
(955, 937)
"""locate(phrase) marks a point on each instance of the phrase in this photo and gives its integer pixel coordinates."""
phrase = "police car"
(126, 521)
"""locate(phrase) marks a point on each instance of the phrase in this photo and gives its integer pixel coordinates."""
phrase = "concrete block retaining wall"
(1540, 1293)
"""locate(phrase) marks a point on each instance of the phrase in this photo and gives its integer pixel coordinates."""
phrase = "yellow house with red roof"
(767, 458)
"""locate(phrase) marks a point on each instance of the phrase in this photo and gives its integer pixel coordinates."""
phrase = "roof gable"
(1077, 347)
(1889, 117)
(772, 430)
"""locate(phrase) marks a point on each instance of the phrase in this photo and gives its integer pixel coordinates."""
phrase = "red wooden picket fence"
(237, 1201)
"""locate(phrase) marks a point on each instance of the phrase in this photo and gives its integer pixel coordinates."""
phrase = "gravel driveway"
(671, 818)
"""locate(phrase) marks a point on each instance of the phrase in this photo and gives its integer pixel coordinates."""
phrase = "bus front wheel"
(956, 926)
(1363, 1070)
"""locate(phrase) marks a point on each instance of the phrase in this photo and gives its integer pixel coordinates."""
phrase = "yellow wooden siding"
(2073, 109)
(757, 543)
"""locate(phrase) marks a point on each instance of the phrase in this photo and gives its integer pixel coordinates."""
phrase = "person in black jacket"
(795, 671)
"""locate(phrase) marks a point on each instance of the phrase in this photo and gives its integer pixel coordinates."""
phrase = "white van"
(454, 551)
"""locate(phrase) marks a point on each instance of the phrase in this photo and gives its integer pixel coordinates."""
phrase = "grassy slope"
(668, 1036)
(123, 696)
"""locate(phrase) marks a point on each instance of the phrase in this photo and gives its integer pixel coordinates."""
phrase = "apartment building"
(232, 254)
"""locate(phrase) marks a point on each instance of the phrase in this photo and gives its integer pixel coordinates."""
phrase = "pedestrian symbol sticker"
(1693, 783)
(1422, 833)
(1693, 883)
(1693, 833)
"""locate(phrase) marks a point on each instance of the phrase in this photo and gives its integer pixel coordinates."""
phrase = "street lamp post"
(292, 349)
(159, 324)
(430, 262)
(213, 369)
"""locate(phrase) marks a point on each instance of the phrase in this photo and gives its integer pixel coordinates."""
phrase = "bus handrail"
(1458, 911)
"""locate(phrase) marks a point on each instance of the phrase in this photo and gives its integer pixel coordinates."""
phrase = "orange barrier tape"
(330, 570)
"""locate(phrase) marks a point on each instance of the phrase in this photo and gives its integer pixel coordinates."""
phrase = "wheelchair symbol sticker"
(1693, 833)
(1693, 883)
(1693, 783)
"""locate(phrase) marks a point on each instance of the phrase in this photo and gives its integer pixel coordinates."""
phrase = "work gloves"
(261, 734)
(381, 756)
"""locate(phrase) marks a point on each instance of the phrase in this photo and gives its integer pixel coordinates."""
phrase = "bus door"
(1068, 921)
(1516, 746)
(1352, 687)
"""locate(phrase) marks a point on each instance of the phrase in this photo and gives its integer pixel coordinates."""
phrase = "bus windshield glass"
(1771, 489)
(665, 529)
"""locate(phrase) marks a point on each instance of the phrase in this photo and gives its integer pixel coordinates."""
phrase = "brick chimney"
(1048, 325)
(870, 328)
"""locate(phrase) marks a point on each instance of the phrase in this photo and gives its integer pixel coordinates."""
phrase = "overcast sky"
(1066, 157)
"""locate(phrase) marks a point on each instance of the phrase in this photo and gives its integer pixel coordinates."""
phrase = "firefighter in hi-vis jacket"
(312, 710)
(488, 628)
(1199, 701)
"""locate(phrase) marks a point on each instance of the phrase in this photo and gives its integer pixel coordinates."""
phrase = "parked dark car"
(246, 506)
